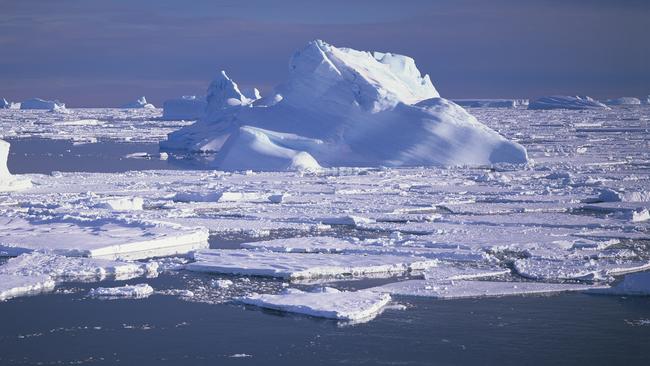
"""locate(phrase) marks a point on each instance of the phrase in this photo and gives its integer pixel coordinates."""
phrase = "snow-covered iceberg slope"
(187, 107)
(566, 102)
(8, 181)
(38, 103)
(342, 107)
(140, 103)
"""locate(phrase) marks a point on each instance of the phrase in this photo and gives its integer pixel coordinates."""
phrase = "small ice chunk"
(123, 203)
(18, 285)
(297, 266)
(222, 283)
(139, 291)
(340, 305)
(348, 220)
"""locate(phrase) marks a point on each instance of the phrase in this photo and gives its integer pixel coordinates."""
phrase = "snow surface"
(37, 103)
(341, 107)
(139, 291)
(140, 103)
(566, 102)
(355, 306)
(9, 182)
(188, 107)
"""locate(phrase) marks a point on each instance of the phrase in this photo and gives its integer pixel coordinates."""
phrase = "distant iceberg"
(140, 103)
(37, 103)
(567, 102)
(623, 101)
(646, 100)
(187, 107)
(6, 105)
(341, 107)
(491, 103)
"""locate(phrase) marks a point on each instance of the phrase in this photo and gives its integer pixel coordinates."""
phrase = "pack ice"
(341, 107)
(491, 103)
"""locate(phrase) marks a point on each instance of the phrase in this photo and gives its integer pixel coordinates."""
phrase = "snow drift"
(187, 107)
(140, 103)
(566, 102)
(341, 107)
(9, 182)
(37, 103)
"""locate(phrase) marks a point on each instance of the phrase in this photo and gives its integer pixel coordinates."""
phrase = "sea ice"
(632, 284)
(566, 102)
(354, 306)
(188, 107)
(12, 285)
(139, 291)
(140, 103)
(577, 269)
(341, 107)
(61, 268)
(302, 266)
(465, 289)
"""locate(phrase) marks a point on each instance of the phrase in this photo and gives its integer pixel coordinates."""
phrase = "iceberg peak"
(224, 92)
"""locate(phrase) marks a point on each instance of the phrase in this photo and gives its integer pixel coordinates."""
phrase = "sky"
(108, 53)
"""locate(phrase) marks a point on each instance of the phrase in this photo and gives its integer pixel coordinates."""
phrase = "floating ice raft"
(469, 289)
(330, 303)
(103, 238)
(12, 285)
(139, 291)
(302, 266)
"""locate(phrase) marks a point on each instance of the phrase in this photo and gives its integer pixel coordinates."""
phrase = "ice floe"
(340, 107)
(634, 284)
(471, 289)
(139, 291)
(12, 285)
(566, 102)
(302, 266)
(8, 181)
(330, 303)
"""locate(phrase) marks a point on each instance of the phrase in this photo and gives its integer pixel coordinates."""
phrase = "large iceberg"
(38, 103)
(491, 103)
(342, 107)
(140, 103)
(8, 181)
(566, 102)
(187, 107)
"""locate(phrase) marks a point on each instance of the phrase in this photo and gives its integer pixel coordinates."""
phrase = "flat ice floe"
(491, 103)
(330, 303)
(634, 284)
(471, 289)
(93, 237)
(577, 269)
(12, 285)
(139, 291)
(302, 266)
